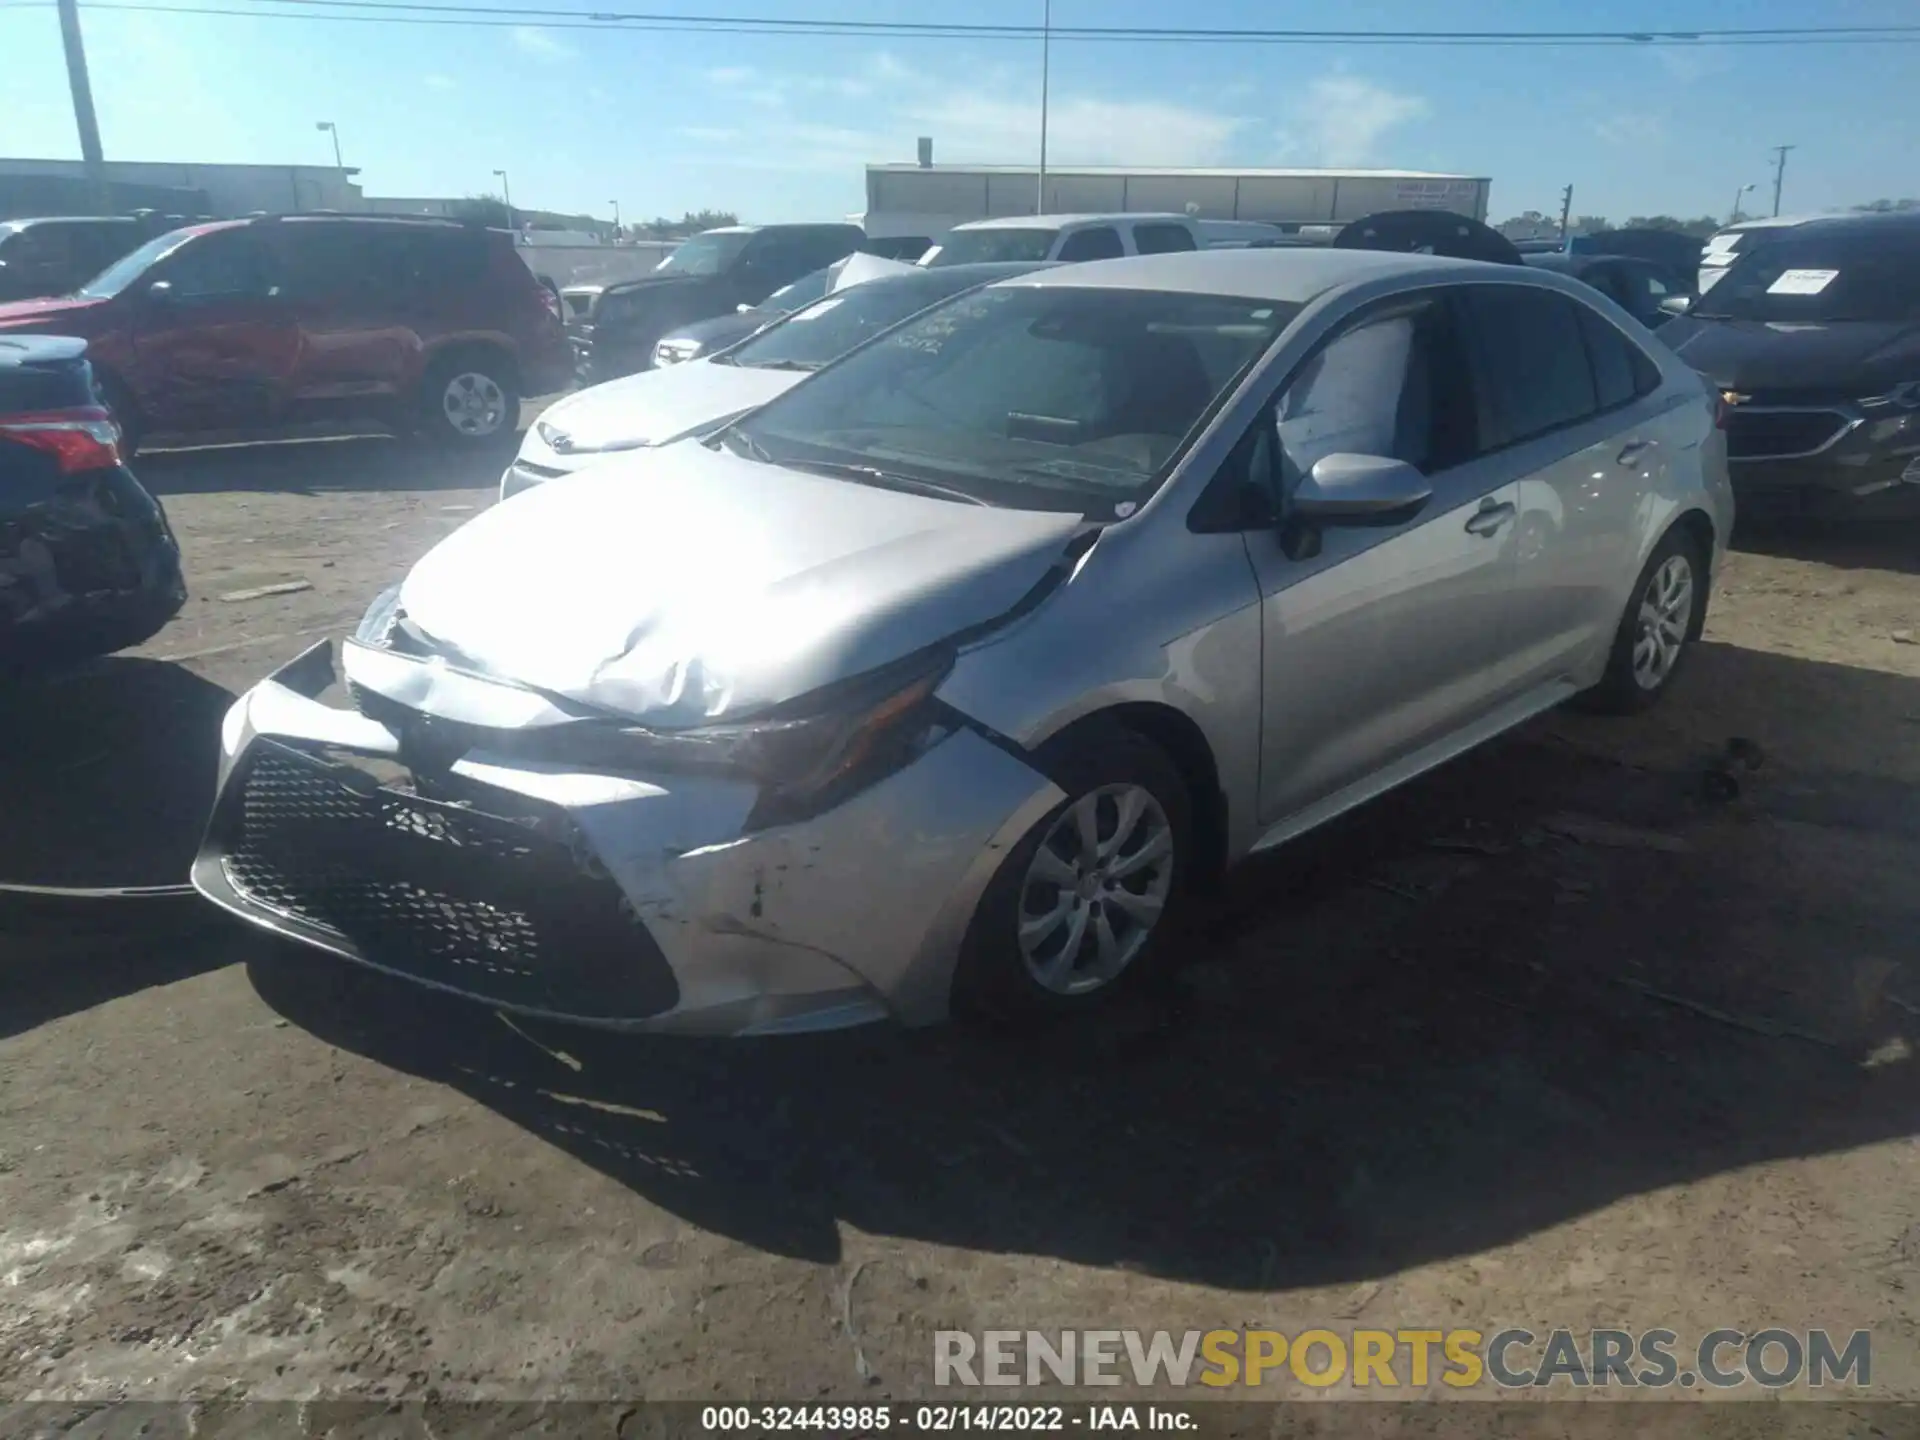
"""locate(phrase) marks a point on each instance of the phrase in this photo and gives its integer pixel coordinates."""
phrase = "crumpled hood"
(1855, 358)
(49, 311)
(683, 585)
(656, 406)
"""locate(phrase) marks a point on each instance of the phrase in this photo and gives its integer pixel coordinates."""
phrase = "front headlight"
(808, 755)
(376, 626)
(673, 352)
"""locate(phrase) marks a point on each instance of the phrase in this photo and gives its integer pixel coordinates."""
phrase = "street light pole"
(506, 194)
(333, 130)
(1046, 76)
(83, 117)
(1733, 215)
(616, 218)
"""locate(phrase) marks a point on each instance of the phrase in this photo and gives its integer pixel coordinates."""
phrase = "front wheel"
(1078, 911)
(1663, 619)
(470, 400)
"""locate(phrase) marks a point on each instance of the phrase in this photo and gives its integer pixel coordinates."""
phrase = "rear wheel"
(470, 400)
(1077, 912)
(1664, 615)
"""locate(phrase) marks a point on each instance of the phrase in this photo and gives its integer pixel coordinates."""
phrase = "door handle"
(1630, 453)
(1489, 518)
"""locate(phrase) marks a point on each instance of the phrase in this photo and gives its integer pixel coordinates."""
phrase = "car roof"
(1061, 222)
(1291, 275)
(1897, 224)
(22, 222)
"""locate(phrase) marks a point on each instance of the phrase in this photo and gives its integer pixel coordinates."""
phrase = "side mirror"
(160, 292)
(1671, 305)
(741, 309)
(1344, 489)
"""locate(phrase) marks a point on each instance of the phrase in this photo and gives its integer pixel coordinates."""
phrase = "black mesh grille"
(489, 905)
(1755, 435)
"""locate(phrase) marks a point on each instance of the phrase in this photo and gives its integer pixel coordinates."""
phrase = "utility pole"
(83, 117)
(1780, 172)
(1046, 75)
(1566, 209)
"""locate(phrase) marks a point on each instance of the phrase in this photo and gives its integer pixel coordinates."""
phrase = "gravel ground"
(1470, 1057)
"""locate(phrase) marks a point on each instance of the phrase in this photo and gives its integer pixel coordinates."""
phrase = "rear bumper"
(642, 905)
(91, 569)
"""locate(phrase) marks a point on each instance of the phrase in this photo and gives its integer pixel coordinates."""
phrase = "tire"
(1000, 973)
(470, 399)
(125, 411)
(1637, 676)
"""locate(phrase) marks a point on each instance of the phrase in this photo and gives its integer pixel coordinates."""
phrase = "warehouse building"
(928, 199)
(54, 187)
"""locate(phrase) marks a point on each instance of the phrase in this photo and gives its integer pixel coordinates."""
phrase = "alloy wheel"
(1095, 889)
(474, 404)
(1666, 613)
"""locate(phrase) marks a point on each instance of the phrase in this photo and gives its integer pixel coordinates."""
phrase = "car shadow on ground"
(1851, 544)
(1436, 1026)
(105, 769)
(319, 465)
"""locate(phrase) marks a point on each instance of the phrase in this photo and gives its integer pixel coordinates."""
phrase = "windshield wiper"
(739, 442)
(778, 364)
(886, 479)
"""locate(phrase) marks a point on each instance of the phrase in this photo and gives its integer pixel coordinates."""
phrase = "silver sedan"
(942, 680)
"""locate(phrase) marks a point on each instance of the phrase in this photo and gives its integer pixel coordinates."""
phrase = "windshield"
(970, 247)
(1035, 397)
(804, 291)
(1821, 280)
(708, 254)
(131, 266)
(828, 328)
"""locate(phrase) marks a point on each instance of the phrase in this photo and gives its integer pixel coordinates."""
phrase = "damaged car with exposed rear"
(942, 680)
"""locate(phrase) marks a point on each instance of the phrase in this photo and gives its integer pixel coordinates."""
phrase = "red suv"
(425, 325)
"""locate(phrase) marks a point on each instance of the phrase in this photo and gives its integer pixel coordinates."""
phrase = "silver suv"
(941, 678)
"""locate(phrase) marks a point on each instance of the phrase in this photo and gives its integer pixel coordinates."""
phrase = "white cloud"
(1631, 130)
(532, 40)
(1341, 119)
(440, 82)
(710, 134)
(731, 74)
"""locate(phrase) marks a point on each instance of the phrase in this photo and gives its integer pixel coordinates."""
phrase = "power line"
(398, 12)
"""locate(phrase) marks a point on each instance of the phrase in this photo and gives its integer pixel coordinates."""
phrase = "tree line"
(1535, 225)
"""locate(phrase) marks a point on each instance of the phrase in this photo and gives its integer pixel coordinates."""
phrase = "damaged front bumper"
(635, 903)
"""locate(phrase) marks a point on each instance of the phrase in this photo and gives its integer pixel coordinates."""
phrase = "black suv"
(714, 273)
(55, 256)
(1813, 341)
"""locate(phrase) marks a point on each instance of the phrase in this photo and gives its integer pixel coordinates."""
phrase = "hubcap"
(1666, 612)
(1095, 889)
(474, 404)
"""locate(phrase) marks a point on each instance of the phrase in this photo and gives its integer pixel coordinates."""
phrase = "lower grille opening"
(496, 907)
(1764, 434)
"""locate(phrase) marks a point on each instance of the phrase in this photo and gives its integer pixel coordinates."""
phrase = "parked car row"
(1045, 592)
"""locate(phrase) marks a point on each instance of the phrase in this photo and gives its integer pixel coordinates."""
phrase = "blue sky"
(778, 128)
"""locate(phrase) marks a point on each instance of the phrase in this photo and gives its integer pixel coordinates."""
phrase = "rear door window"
(1530, 362)
(1102, 242)
(1162, 239)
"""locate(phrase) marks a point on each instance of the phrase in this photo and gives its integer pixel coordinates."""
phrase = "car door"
(1379, 641)
(213, 340)
(352, 290)
(1564, 414)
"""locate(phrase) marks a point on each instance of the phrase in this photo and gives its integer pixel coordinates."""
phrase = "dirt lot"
(1463, 1060)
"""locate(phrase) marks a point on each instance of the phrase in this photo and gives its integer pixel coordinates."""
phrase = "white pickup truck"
(1069, 238)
